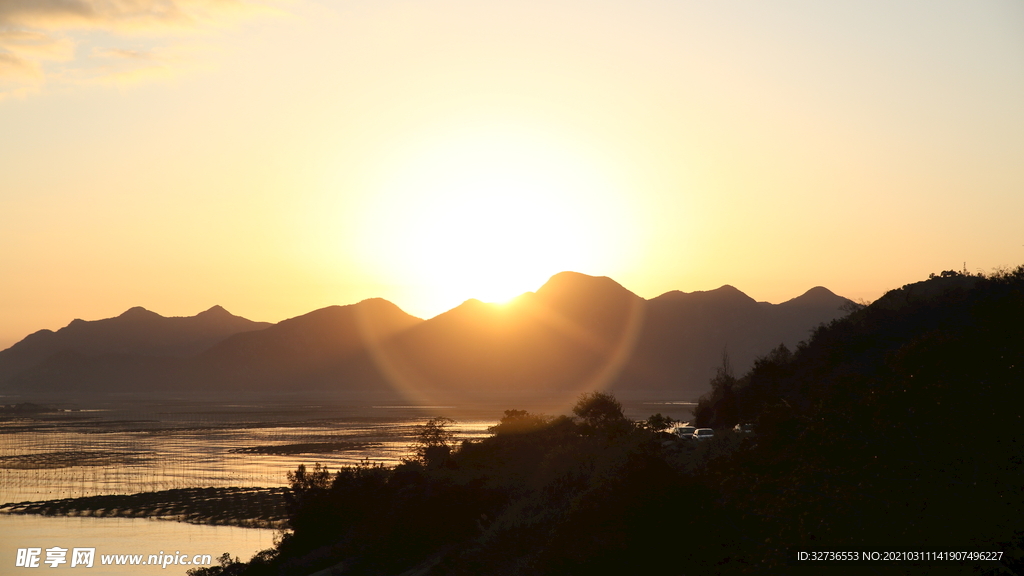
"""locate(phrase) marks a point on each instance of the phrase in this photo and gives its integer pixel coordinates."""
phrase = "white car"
(685, 431)
(703, 434)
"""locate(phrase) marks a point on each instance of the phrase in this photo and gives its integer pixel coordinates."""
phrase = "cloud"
(131, 66)
(36, 46)
(116, 14)
(22, 53)
(126, 54)
(37, 12)
(12, 66)
(36, 34)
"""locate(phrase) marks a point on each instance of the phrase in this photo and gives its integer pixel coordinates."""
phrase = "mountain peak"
(376, 302)
(819, 292)
(382, 306)
(817, 296)
(216, 310)
(138, 312)
(578, 283)
(728, 289)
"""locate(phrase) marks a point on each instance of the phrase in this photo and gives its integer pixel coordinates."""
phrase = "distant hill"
(135, 333)
(575, 333)
(319, 349)
(553, 341)
(685, 335)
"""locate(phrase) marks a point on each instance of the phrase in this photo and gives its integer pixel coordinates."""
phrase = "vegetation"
(898, 427)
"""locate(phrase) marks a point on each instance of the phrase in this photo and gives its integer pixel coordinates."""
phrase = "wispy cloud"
(132, 65)
(22, 54)
(37, 44)
(126, 54)
(11, 66)
(36, 34)
(115, 14)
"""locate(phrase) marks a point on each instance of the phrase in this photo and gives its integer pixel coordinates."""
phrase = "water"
(125, 449)
(123, 536)
(122, 449)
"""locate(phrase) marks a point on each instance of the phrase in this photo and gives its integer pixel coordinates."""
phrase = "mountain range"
(576, 333)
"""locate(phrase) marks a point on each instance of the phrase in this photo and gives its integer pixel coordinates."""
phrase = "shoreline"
(234, 506)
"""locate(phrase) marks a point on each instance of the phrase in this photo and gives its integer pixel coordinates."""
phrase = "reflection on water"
(161, 447)
(123, 536)
(142, 448)
(101, 450)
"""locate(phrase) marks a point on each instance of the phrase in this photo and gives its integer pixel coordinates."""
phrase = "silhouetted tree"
(719, 408)
(303, 482)
(518, 422)
(657, 423)
(306, 502)
(598, 409)
(435, 441)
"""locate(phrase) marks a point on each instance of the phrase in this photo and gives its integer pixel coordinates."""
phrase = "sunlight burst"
(490, 217)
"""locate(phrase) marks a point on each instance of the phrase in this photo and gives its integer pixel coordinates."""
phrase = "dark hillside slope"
(314, 350)
(684, 335)
(901, 425)
(560, 340)
(896, 429)
(580, 332)
(137, 341)
(576, 333)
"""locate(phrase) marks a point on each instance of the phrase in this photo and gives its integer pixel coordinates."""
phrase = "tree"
(599, 410)
(434, 441)
(719, 408)
(657, 423)
(519, 422)
(225, 562)
(303, 482)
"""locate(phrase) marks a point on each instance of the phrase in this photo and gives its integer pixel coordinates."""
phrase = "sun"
(490, 215)
(494, 234)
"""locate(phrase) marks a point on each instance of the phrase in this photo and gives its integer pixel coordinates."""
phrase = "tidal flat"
(111, 475)
(115, 449)
(204, 477)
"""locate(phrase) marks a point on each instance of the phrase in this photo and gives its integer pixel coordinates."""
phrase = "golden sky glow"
(278, 156)
(488, 212)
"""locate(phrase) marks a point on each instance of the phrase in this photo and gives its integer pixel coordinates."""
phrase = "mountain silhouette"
(557, 340)
(686, 334)
(309, 350)
(575, 333)
(136, 332)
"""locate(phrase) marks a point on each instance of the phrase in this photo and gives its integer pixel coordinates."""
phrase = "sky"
(279, 156)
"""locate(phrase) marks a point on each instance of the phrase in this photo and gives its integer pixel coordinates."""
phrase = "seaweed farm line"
(144, 448)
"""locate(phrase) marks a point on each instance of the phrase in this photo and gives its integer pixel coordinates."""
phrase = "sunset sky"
(279, 156)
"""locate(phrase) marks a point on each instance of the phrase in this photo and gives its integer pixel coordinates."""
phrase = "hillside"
(867, 433)
(555, 342)
(316, 350)
(138, 337)
(576, 333)
(894, 430)
(685, 334)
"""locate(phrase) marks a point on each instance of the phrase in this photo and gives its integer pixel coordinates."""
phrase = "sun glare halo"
(490, 216)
